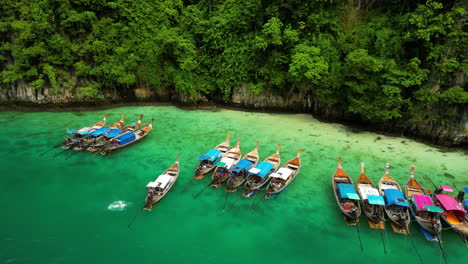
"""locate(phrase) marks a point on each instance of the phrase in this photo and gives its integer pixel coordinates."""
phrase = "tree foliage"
(378, 59)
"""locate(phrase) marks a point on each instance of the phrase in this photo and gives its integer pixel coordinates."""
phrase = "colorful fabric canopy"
(449, 203)
(262, 169)
(98, 132)
(242, 165)
(211, 155)
(446, 188)
(346, 190)
(126, 138)
(375, 199)
(424, 203)
(395, 197)
(112, 133)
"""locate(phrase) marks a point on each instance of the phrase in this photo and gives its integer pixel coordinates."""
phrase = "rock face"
(452, 133)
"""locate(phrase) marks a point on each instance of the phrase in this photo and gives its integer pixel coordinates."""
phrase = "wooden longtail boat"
(83, 133)
(423, 210)
(98, 133)
(372, 203)
(222, 171)
(281, 179)
(113, 132)
(160, 187)
(346, 196)
(260, 175)
(454, 214)
(396, 206)
(239, 172)
(126, 139)
(213, 156)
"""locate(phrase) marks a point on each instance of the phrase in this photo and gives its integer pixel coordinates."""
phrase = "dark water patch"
(404, 142)
(79, 113)
(448, 175)
(377, 138)
(312, 135)
(299, 130)
(390, 148)
(442, 165)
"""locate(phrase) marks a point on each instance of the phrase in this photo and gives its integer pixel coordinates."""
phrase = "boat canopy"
(449, 203)
(97, 133)
(346, 190)
(465, 189)
(395, 197)
(226, 162)
(211, 155)
(112, 133)
(446, 188)
(242, 165)
(424, 203)
(262, 169)
(126, 138)
(375, 199)
(367, 190)
(163, 180)
(71, 131)
(282, 173)
(84, 129)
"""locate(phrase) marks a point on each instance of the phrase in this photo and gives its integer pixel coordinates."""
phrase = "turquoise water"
(57, 210)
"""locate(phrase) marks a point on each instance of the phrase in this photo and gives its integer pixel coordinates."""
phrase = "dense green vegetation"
(379, 59)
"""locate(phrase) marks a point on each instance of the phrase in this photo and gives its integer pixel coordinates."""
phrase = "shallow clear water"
(75, 209)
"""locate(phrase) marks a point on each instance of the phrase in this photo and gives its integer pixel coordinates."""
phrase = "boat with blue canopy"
(211, 158)
(77, 136)
(423, 210)
(372, 203)
(396, 206)
(239, 172)
(260, 175)
(114, 131)
(96, 134)
(223, 167)
(126, 139)
(281, 179)
(346, 195)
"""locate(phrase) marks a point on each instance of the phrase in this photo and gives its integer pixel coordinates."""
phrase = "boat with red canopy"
(454, 214)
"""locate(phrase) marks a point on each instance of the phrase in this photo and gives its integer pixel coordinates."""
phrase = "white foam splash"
(118, 206)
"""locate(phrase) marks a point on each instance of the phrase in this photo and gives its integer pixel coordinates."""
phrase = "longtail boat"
(83, 133)
(454, 214)
(240, 171)
(346, 196)
(260, 175)
(213, 156)
(98, 133)
(423, 210)
(396, 205)
(126, 139)
(157, 189)
(281, 179)
(461, 197)
(223, 167)
(372, 203)
(113, 132)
